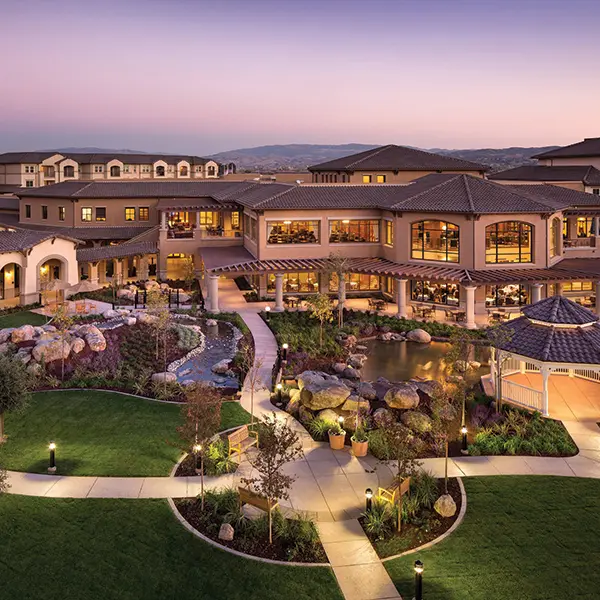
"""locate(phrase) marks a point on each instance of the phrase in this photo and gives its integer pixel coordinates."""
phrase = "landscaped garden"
(17, 318)
(523, 538)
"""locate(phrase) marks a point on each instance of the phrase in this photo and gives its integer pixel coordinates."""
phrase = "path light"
(369, 498)
(279, 388)
(197, 450)
(418, 580)
(267, 312)
(52, 467)
(465, 448)
(284, 352)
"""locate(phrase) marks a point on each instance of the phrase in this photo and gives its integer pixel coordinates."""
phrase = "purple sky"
(200, 77)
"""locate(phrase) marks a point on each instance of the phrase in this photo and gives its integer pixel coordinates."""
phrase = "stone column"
(161, 270)
(118, 270)
(558, 289)
(93, 272)
(470, 306)
(142, 268)
(401, 297)
(545, 375)
(163, 220)
(213, 292)
(536, 292)
(279, 292)
(198, 220)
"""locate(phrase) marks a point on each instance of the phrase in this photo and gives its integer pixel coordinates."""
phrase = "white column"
(163, 220)
(278, 292)
(401, 298)
(545, 374)
(536, 292)
(118, 270)
(470, 306)
(93, 272)
(597, 289)
(213, 292)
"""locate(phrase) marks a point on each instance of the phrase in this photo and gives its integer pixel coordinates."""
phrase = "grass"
(25, 317)
(523, 538)
(131, 549)
(98, 433)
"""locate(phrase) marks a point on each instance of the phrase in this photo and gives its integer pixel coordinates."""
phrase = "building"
(456, 246)
(36, 169)
(586, 152)
(391, 164)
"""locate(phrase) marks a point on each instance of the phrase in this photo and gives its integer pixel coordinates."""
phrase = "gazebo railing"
(522, 395)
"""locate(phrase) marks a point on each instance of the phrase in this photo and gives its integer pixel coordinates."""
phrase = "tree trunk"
(202, 479)
(400, 514)
(251, 406)
(321, 336)
(270, 524)
(2, 439)
(446, 468)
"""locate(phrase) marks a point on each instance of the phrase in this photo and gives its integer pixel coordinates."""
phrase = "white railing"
(589, 374)
(520, 394)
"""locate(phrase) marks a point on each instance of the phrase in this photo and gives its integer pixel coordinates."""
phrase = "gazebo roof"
(558, 310)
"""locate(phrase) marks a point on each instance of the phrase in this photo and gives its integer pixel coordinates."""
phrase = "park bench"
(241, 439)
(249, 497)
(396, 490)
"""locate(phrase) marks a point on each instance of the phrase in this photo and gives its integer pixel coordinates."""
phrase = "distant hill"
(297, 157)
(94, 150)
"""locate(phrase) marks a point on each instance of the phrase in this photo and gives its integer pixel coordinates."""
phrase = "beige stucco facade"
(388, 176)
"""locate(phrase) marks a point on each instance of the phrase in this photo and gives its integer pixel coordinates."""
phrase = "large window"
(86, 214)
(235, 220)
(354, 231)
(208, 219)
(435, 240)
(68, 171)
(355, 282)
(293, 232)
(101, 213)
(250, 227)
(28, 211)
(44, 212)
(144, 213)
(389, 233)
(577, 286)
(555, 232)
(506, 295)
(115, 171)
(585, 227)
(160, 171)
(437, 293)
(130, 213)
(509, 242)
(211, 171)
(307, 282)
(367, 178)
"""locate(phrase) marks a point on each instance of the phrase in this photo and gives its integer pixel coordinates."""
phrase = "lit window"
(506, 295)
(555, 231)
(380, 178)
(437, 293)
(303, 282)
(44, 212)
(354, 231)
(144, 213)
(577, 286)
(293, 232)
(130, 214)
(183, 171)
(101, 213)
(355, 282)
(509, 242)
(367, 178)
(434, 240)
(235, 220)
(61, 213)
(389, 233)
(86, 214)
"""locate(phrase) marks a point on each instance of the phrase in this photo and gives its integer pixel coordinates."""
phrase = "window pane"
(354, 231)
(508, 242)
(293, 232)
(435, 240)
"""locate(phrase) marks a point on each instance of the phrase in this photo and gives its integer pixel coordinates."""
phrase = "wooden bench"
(395, 491)
(249, 497)
(241, 439)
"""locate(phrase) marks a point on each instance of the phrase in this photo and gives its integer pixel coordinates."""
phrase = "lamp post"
(418, 580)
(369, 498)
(284, 352)
(52, 466)
(197, 465)
(341, 421)
(267, 313)
(465, 447)
(279, 388)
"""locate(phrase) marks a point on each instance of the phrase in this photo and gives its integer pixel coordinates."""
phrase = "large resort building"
(448, 245)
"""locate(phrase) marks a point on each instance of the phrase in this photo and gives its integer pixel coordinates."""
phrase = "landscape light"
(279, 387)
(465, 446)
(418, 580)
(198, 465)
(284, 352)
(267, 311)
(341, 420)
(369, 498)
(52, 466)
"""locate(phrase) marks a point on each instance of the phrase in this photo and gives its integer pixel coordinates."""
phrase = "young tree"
(499, 337)
(4, 485)
(157, 305)
(62, 321)
(189, 272)
(457, 360)
(15, 387)
(279, 445)
(251, 365)
(339, 265)
(202, 419)
(320, 308)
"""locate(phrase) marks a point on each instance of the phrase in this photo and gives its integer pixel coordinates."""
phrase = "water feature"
(400, 361)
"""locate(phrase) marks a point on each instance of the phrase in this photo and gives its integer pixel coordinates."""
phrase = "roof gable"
(588, 147)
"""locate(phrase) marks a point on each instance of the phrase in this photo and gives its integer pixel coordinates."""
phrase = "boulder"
(4, 347)
(355, 403)
(474, 364)
(339, 368)
(24, 355)
(130, 321)
(307, 377)
(188, 382)
(418, 335)
(455, 378)
(445, 506)
(34, 368)
(125, 293)
(368, 330)
(211, 323)
(328, 415)
(345, 340)
(446, 412)
(417, 421)
(305, 415)
(397, 337)
(325, 394)
(293, 404)
(165, 376)
(350, 373)
(147, 319)
(22, 334)
(357, 361)
(96, 342)
(367, 391)
(385, 337)
(226, 532)
(221, 367)
(164, 286)
(461, 366)
(49, 335)
(50, 350)
(110, 314)
(77, 345)
(429, 387)
(152, 285)
(361, 349)
(402, 395)
(5, 334)
(383, 417)
(84, 330)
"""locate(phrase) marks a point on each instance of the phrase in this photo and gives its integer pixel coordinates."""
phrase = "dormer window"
(160, 171)
(115, 171)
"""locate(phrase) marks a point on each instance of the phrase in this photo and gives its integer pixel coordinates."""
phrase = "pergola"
(555, 336)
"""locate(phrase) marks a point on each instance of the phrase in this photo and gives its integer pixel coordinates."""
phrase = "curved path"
(330, 485)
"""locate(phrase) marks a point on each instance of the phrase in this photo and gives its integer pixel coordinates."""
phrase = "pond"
(400, 361)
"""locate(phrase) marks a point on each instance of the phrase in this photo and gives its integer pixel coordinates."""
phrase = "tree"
(4, 485)
(202, 420)
(320, 308)
(457, 360)
(189, 272)
(499, 337)
(251, 365)
(339, 265)
(115, 283)
(62, 321)
(157, 305)
(15, 387)
(278, 445)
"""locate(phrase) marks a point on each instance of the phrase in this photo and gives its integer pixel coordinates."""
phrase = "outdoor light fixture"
(279, 388)
(197, 450)
(284, 352)
(464, 448)
(341, 420)
(418, 580)
(369, 498)
(52, 467)
(267, 311)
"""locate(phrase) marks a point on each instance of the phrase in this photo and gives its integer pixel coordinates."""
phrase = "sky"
(199, 77)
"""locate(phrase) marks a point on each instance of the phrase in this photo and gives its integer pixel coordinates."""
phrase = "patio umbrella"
(83, 286)
(56, 285)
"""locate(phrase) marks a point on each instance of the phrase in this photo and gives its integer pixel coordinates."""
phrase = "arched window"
(509, 242)
(183, 171)
(69, 171)
(115, 171)
(160, 171)
(435, 240)
(211, 171)
(555, 234)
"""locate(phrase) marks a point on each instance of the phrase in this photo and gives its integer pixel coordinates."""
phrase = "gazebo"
(553, 337)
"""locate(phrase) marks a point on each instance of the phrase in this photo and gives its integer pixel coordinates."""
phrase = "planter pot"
(360, 448)
(336, 442)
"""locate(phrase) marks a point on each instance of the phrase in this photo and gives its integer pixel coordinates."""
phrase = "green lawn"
(98, 433)
(58, 549)
(523, 538)
(22, 318)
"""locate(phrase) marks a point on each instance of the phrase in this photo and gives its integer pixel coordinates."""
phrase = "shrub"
(217, 460)
(424, 488)
(319, 428)
(378, 445)
(379, 520)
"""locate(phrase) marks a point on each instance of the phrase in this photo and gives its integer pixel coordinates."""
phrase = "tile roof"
(397, 158)
(588, 147)
(558, 310)
(118, 251)
(16, 240)
(9, 189)
(101, 158)
(586, 174)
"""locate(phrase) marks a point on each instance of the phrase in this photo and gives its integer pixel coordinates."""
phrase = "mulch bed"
(256, 546)
(412, 536)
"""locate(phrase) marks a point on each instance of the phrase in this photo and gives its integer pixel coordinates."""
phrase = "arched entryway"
(10, 284)
(52, 279)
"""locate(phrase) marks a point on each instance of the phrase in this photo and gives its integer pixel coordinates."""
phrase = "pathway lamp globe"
(267, 312)
(418, 580)
(279, 387)
(464, 447)
(341, 421)
(52, 464)
(284, 352)
(369, 498)
(197, 450)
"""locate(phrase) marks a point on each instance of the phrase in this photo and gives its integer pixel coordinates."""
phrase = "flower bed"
(294, 540)
(216, 461)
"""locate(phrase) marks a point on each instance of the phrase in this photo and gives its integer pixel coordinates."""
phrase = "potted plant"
(337, 437)
(360, 442)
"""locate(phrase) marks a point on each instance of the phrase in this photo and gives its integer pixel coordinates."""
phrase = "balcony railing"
(586, 242)
(216, 232)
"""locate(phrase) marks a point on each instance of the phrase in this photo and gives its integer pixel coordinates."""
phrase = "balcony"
(211, 233)
(584, 247)
(584, 242)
